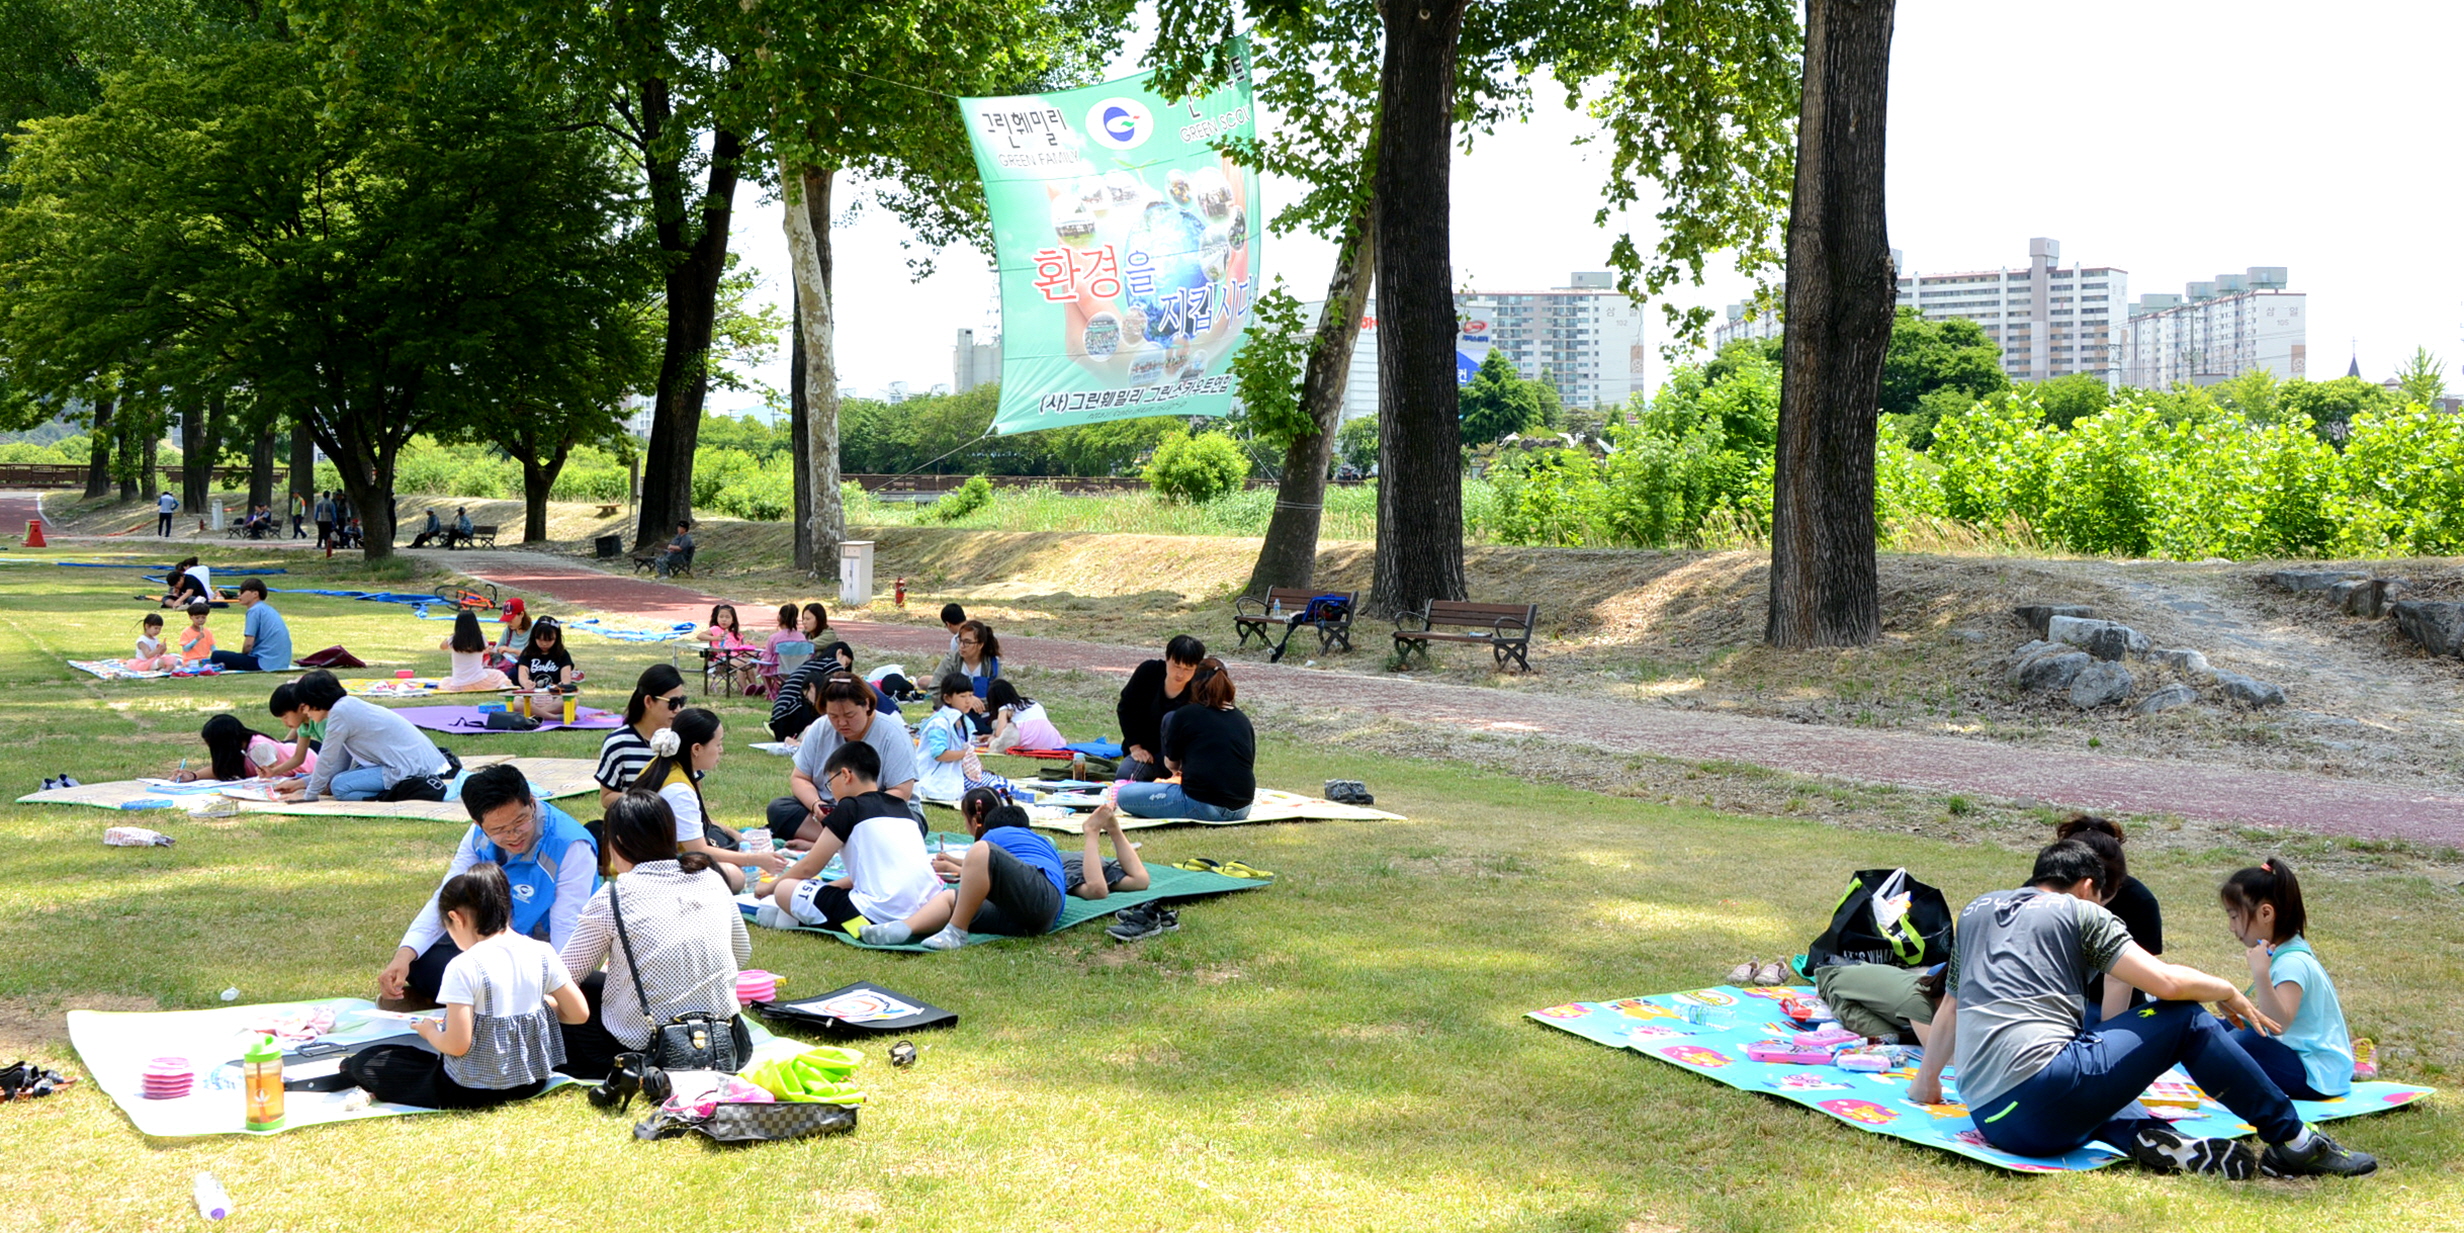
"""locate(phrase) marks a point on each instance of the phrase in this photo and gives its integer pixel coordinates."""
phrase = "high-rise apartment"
(2049, 321)
(974, 363)
(2218, 329)
(1585, 339)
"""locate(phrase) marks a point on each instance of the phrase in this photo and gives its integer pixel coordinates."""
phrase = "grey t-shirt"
(2023, 956)
(888, 737)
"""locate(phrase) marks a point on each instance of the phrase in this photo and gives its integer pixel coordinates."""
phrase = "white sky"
(2176, 139)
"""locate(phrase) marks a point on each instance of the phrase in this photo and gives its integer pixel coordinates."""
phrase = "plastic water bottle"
(213, 1202)
(1276, 613)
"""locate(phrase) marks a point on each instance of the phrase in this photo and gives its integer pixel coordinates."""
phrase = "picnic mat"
(550, 778)
(391, 686)
(118, 670)
(1166, 883)
(1051, 811)
(117, 1048)
(1656, 1028)
(472, 720)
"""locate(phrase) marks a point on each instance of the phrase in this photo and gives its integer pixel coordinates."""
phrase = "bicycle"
(464, 597)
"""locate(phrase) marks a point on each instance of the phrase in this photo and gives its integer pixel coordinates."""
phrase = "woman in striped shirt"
(656, 698)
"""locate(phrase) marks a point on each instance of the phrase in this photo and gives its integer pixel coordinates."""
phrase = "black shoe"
(1144, 921)
(2160, 1149)
(2321, 1159)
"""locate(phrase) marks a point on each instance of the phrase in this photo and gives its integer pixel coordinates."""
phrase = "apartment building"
(2219, 328)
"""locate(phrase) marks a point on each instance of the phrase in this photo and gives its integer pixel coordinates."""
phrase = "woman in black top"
(2131, 901)
(1158, 688)
(1211, 746)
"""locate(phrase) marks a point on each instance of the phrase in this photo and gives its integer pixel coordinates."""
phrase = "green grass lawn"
(1343, 1050)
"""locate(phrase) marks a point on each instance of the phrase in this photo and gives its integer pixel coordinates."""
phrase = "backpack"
(331, 657)
(1885, 916)
(1327, 608)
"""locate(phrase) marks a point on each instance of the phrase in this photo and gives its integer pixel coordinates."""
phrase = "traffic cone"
(34, 533)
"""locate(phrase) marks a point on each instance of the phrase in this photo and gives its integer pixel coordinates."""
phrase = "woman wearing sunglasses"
(656, 698)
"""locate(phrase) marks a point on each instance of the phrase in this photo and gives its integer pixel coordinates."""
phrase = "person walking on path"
(325, 520)
(164, 507)
(299, 515)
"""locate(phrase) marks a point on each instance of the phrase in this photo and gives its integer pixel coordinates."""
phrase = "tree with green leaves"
(1927, 356)
(2423, 379)
(1499, 403)
(2331, 406)
(1825, 579)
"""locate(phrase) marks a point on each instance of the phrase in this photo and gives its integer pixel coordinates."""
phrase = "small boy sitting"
(1009, 882)
(890, 893)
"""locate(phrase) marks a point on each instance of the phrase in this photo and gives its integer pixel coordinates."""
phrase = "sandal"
(1771, 974)
(1744, 973)
(1200, 864)
(1235, 869)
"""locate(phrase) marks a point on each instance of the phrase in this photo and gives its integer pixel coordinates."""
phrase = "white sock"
(2301, 1142)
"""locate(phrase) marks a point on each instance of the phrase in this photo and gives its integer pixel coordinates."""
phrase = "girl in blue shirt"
(2313, 1059)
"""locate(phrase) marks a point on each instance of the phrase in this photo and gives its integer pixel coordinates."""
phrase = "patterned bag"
(748, 1122)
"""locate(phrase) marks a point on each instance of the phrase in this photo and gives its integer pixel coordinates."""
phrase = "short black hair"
(952, 614)
(319, 690)
(481, 891)
(2065, 863)
(856, 757)
(198, 607)
(1184, 649)
(255, 584)
(486, 791)
(1007, 815)
(953, 685)
(285, 699)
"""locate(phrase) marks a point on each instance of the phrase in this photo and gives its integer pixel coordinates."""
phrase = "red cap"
(513, 608)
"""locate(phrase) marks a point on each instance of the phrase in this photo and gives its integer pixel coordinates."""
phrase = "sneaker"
(951, 937)
(772, 916)
(2321, 1159)
(2161, 1149)
(69, 781)
(49, 784)
(1144, 921)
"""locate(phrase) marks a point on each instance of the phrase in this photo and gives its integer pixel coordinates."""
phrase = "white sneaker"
(772, 916)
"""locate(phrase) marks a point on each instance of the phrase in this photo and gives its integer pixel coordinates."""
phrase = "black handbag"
(694, 1040)
(1885, 916)
(749, 1122)
(507, 721)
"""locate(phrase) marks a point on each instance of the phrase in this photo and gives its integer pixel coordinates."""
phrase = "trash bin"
(855, 572)
(611, 546)
(216, 517)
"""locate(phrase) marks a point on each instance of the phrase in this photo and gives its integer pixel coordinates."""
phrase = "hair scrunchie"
(665, 742)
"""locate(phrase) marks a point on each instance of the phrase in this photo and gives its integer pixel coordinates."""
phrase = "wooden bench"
(1504, 628)
(607, 509)
(1258, 617)
(645, 562)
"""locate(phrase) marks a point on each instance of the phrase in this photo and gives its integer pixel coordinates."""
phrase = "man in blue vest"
(551, 862)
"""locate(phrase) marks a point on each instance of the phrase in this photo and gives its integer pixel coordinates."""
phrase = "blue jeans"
(2090, 1090)
(360, 783)
(2282, 1064)
(1166, 800)
(236, 661)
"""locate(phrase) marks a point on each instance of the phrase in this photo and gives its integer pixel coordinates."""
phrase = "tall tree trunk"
(304, 462)
(367, 473)
(196, 458)
(137, 434)
(808, 247)
(1289, 557)
(800, 450)
(697, 260)
(1420, 454)
(1824, 586)
(538, 480)
(261, 480)
(98, 456)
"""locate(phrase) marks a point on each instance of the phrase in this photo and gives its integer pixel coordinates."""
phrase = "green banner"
(1128, 249)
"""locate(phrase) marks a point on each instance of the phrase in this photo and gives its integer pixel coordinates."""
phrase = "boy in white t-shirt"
(890, 895)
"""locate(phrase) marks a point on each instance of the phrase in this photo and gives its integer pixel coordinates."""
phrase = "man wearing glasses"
(549, 859)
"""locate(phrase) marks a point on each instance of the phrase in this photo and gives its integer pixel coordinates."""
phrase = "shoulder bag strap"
(617, 909)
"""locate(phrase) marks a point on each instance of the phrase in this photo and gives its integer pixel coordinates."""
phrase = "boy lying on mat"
(890, 895)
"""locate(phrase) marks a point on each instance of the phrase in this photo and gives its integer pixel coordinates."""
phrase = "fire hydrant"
(898, 593)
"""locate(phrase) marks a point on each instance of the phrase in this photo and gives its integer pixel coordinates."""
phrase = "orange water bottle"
(261, 1068)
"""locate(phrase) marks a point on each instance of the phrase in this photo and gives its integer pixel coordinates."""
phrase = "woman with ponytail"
(681, 754)
(1211, 746)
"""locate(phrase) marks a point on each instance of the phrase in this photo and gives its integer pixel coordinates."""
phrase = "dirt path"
(1909, 759)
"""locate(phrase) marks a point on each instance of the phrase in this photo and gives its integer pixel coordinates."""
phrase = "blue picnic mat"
(1656, 1027)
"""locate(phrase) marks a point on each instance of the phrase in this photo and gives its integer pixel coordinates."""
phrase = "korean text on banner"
(1128, 249)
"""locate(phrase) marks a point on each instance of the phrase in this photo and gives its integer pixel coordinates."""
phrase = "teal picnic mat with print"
(1166, 883)
(1657, 1028)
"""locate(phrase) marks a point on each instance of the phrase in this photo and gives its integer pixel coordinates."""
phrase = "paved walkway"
(1909, 759)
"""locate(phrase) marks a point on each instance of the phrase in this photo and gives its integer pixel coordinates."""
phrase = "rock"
(2082, 632)
(2034, 616)
(2298, 581)
(2250, 692)
(2047, 673)
(2166, 699)
(2188, 663)
(2438, 627)
(2362, 597)
(2032, 649)
(2099, 684)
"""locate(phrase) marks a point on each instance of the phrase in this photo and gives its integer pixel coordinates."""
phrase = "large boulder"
(2438, 627)
(2249, 691)
(2362, 597)
(2103, 639)
(2048, 673)
(2036, 616)
(2099, 684)
(2166, 699)
(2300, 580)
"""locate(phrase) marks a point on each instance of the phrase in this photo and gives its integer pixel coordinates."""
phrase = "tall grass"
(1351, 513)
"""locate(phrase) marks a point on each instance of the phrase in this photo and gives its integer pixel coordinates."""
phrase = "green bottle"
(262, 1068)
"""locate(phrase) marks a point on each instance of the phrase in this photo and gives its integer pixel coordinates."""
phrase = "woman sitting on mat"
(235, 751)
(657, 697)
(2131, 901)
(977, 657)
(544, 662)
(505, 655)
(2313, 1059)
(469, 648)
(152, 654)
(1210, 746)
(187, 582)
(1018, 722)
(504, 997)
(682, 946)
(685, 751)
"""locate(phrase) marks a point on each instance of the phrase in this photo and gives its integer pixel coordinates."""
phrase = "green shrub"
(963, 500)
(1196, 470)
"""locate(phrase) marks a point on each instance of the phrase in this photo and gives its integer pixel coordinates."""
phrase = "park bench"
(607, 509)
(644, 562)
(479, 535)
(1261, 618)
(1504, 628)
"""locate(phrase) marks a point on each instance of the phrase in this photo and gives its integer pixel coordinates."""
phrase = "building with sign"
(2218, 329)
